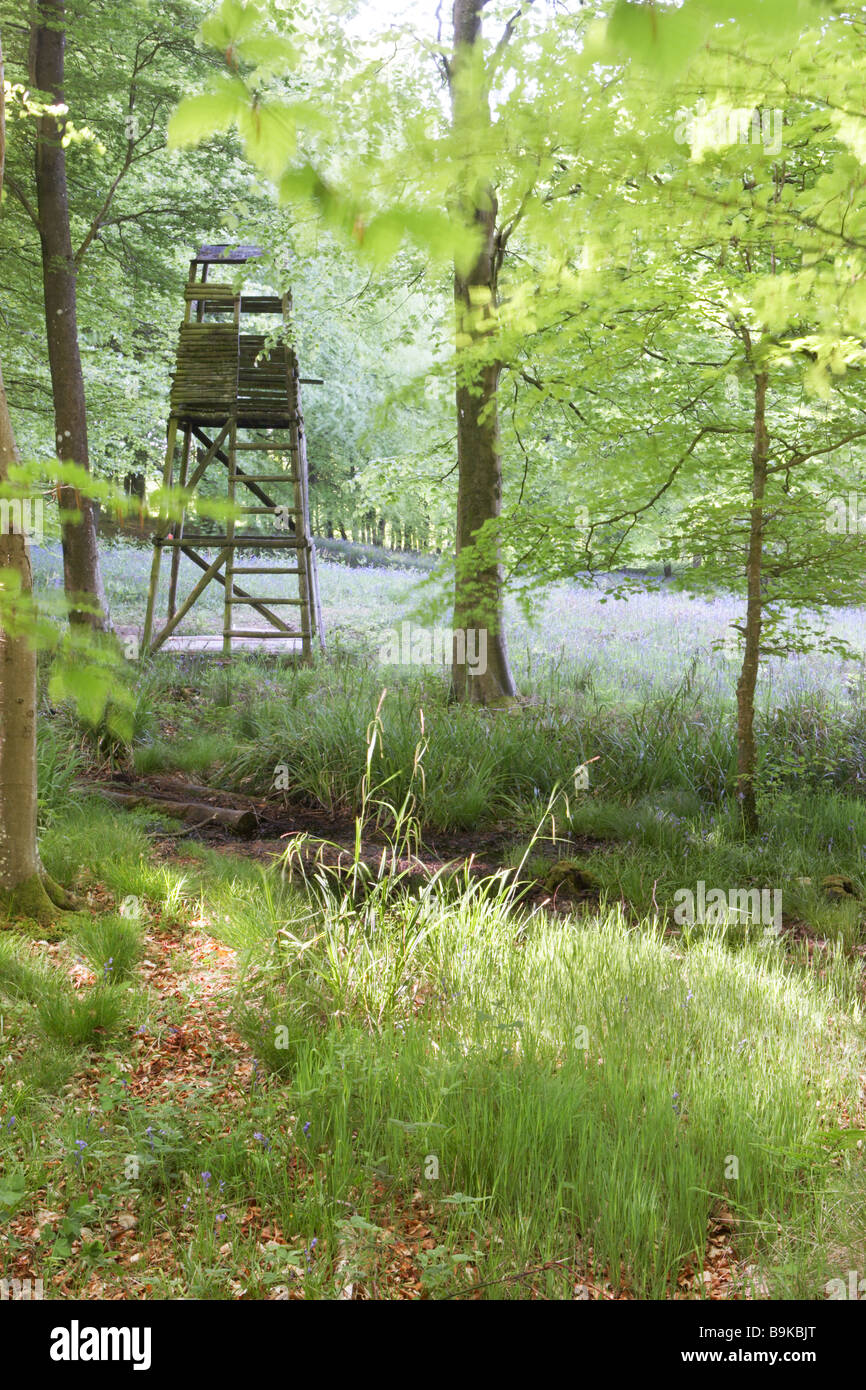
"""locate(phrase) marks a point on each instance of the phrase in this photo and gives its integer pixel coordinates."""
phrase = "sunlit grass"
(584, 1085)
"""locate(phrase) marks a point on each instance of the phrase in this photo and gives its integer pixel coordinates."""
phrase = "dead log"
(195, 812)
(194, 791)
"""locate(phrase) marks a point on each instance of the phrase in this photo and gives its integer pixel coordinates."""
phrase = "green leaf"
(198, 117)
(88, 686)
(269, 51)
(662, 39)
(13, 1191)
(230, 22)
(383, 236)
(268, 133)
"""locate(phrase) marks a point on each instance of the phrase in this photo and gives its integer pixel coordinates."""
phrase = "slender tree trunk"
(478, 598)
(25, 889)
(81, 570)
(746, 748)
(22, 888)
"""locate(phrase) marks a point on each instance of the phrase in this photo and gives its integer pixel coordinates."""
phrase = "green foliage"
(405, 1025)
(111, 945)
(60, 1013)
(75, 1020)
(58, 763)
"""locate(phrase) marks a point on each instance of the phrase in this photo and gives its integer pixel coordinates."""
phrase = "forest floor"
(103, 1252)
(159, 1144)
(89, 1231)
(433, 1027)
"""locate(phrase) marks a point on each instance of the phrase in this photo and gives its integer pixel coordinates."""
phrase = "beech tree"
(756, 264)
(25, 888)
(82, 576)
(478, 597)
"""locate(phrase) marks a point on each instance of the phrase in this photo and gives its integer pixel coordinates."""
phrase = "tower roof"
(226, 254)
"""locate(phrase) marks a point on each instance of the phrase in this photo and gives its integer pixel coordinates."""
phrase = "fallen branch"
(196, 812)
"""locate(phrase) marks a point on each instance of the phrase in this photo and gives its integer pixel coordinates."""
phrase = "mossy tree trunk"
(25, 888)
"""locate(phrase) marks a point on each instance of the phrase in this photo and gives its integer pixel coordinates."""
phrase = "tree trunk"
(25, 889)
(746, 749)
(478, 599)
(81, 571)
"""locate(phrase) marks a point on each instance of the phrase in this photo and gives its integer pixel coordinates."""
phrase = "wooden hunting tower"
(233, 394)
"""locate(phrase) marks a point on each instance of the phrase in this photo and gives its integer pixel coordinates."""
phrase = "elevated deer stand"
(231, 394)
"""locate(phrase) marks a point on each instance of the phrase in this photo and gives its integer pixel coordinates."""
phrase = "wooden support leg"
(230, 535)
(175, 554)
(199, 589)
(316, 624)
(303, 555)
(167, 473)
